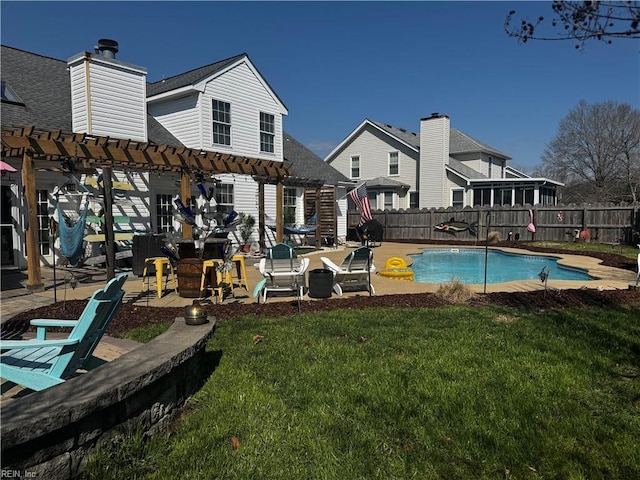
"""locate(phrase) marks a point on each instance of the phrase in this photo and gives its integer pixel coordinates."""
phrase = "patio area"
(16, 299)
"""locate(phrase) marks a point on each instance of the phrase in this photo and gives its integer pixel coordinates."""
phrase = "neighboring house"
(226, 107)
(439, 167)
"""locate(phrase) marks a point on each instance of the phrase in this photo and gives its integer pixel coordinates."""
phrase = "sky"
(335, 64)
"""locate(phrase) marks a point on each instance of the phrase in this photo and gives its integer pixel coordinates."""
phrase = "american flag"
(360, 198)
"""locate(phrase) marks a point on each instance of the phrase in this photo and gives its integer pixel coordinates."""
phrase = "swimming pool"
(440, 265)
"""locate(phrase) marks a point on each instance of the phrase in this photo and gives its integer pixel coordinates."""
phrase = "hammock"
(310, 227)
(71, 238)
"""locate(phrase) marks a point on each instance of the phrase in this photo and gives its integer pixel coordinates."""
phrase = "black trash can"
(320, 283)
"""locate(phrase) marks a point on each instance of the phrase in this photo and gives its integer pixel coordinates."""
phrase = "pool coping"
(604, 277)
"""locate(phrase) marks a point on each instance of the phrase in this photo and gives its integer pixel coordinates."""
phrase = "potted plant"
(245, 227)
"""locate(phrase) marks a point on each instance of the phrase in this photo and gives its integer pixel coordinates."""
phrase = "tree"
(580, 21)
(596, 153)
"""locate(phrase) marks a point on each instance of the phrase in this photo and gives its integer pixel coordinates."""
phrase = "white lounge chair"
(354, 273)
(283, 271)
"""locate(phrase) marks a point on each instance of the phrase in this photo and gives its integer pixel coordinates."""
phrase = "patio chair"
(283, 271)
(354, 273)
(41, 363)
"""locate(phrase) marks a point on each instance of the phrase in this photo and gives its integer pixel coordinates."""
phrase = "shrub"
(454, 292)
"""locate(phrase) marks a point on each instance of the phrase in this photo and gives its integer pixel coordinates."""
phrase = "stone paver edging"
(48, 434)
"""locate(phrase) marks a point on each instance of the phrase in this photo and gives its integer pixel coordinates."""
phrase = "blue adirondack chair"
(41, 363)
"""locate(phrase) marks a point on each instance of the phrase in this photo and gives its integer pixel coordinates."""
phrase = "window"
(502, 165)
(502, 196)
(289, 199)
(221, 113)
(267, 132)
(373, 199)
(394, 168)
(388, 200)
(482, 196)
(414, 200)
(457, 198)
(224, 197)
(8, 95)
(355, 166)
(524, 195)
(164, 213)
(43, 221)
(490, 167)
(547, 196)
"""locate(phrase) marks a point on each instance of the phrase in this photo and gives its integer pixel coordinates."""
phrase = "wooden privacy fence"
(604, 223)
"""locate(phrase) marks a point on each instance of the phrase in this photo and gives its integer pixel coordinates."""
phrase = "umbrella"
(5, 167)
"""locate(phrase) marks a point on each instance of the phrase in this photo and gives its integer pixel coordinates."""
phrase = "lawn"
(628, 251)
(448, 393)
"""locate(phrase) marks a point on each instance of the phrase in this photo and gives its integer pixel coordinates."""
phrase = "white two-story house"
(438, 167)
(226, 108)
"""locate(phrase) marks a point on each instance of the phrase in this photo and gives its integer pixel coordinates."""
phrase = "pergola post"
(318, 233)
(34, 273)
(185, 194)
(262, 231)
(109, 237)
(279, 211)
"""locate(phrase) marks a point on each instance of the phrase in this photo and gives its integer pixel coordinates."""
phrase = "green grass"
(147, 333)
(629, 251)
(448, 393)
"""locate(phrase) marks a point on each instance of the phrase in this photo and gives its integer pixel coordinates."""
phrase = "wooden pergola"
(81, 151)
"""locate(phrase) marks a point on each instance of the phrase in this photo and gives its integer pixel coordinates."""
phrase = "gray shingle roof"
(459, 142)
(191, 77)
(464, 170)
(306, 164)
(404, 135)
(381, 182)
(199, 74)
(43, 84)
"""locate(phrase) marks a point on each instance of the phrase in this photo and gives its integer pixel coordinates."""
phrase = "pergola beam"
(94, 150)
(31, 143)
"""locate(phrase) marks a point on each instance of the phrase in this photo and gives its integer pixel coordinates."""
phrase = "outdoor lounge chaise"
(354, 273)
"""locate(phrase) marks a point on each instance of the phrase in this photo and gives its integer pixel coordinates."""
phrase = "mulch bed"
(131, 316)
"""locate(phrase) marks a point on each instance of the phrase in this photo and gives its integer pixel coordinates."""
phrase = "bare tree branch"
(596, 152)
(581, 21)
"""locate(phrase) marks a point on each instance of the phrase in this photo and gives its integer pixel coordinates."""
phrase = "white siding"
(117, 99)
(248, 97)
(373, 147)
(434, 153)
(78, 98)
(181, 117)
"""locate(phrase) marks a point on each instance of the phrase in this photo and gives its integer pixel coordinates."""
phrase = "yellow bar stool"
(240, 272)
(218, 287)
(159, 263)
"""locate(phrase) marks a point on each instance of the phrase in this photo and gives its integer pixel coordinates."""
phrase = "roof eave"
(178, 92)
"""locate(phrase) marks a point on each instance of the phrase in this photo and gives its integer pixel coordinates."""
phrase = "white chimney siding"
(108, 97)
(434, 156)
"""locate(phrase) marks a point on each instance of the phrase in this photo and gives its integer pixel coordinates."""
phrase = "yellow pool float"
(396, 267)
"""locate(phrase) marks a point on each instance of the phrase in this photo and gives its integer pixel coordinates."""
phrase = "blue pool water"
(467, 265)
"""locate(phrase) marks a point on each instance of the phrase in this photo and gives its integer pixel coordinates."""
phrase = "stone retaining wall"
(48, 434)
